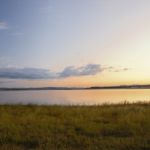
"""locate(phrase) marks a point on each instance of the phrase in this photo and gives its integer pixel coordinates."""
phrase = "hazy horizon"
(74, 43)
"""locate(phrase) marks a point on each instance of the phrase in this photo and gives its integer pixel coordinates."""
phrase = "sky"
(74, 43)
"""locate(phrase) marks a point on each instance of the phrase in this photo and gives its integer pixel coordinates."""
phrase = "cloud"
(25, 73)
(4, 82)
(116, 69)
(3, 25)
(38, 73)
(90, 69)
(71, 71)
(121, 69)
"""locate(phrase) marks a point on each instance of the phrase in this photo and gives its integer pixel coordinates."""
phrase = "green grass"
(107, 127)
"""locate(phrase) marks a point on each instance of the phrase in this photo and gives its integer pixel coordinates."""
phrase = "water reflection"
(74, 97)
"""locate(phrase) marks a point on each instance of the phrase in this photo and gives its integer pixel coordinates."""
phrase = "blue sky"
(50, 37)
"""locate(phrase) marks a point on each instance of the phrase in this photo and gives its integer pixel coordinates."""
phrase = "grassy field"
(107, 127)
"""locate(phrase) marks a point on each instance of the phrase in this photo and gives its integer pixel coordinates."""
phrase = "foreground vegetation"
(107, 127)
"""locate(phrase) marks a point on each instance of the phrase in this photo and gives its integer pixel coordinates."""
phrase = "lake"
(74, 97)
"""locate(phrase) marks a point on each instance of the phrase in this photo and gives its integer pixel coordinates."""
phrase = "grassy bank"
(108, 127)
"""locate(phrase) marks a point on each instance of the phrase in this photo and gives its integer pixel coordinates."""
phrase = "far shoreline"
(78, 88)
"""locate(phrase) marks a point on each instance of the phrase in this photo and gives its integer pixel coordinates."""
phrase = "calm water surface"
(74, 97)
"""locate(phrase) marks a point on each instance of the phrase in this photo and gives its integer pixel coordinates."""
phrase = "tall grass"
(107, 127)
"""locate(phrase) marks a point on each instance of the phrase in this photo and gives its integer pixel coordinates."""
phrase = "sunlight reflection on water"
(74, 97)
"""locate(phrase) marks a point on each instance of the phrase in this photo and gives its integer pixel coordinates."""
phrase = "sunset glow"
(74, 43)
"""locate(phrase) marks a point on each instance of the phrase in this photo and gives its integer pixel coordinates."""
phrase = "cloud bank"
(3, 25)
(38, 73)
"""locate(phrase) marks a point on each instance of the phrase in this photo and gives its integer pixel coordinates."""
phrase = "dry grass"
(107, 127)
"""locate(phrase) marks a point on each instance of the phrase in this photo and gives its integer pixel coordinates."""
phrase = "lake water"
(74, 97)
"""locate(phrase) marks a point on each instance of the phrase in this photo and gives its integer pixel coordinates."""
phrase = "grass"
(106, 127)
